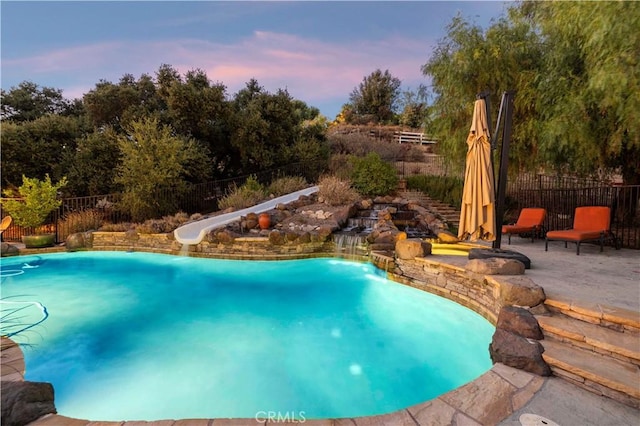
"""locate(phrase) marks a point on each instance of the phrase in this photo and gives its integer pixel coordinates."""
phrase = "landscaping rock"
(519, 321)
(518, 352)
(495, 266)
(224, 237)
(9, 250)
(24, 402)
(520, 291)
(79, 241)
(411, 248)
(479, 253)
(276, 238)
(251, 221)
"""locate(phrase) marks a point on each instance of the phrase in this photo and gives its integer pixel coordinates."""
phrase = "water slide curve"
(194, 232)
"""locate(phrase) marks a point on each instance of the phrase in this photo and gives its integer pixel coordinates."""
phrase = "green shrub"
(373, 176)
(286, 185)
(335, 191)
(442, 188)
(38, 198)
(247, 195)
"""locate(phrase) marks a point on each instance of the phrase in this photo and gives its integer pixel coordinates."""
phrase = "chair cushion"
(531, 216)
(516, 229)
(573, 235)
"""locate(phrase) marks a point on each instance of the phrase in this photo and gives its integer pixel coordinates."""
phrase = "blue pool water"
(134, 336)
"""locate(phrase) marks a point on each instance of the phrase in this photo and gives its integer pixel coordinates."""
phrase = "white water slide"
(194, 232)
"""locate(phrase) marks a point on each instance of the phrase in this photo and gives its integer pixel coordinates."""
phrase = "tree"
(107, 104)
(376, 96)
(36, 148)
(198, 109)
(574, 67)
(413, 107)
(29, 102)
(154, 166)
(265, 127)
(468, 61)
(589, 97)
(91, 167)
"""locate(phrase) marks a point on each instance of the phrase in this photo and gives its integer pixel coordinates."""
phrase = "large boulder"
(519, 321)
(79, 241)
(9, 250)
(495, 266)
(518, 352)
(411, 248)
(24, 402)
(520, 291)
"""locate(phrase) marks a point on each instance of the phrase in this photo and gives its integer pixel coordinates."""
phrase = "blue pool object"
(138, 336)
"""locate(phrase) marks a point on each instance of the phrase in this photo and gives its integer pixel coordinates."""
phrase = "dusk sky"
(318, 51)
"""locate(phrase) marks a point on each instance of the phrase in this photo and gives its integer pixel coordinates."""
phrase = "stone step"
(622, 346)
(12, 360)
(615, 379)
(619, 319)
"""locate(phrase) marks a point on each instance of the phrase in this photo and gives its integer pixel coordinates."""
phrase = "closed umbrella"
(477, 215)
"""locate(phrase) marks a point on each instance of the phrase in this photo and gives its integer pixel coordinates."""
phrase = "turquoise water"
(133, 336)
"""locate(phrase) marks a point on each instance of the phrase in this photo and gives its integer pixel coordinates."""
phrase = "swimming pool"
(148, 336)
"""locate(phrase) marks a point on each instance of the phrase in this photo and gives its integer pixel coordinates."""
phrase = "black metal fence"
(197, 198)
(559, 195)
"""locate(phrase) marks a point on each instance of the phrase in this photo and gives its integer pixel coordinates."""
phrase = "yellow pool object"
(453, 249)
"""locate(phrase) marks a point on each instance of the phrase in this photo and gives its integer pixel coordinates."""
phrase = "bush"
(335, 191)
(360, 145)
(372, 176)
(247, 195)
(286, 185)
(443, 188)
(80, 221)
(38, 199)
(116, 227)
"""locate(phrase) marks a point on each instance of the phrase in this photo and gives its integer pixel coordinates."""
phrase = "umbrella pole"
(504, 164)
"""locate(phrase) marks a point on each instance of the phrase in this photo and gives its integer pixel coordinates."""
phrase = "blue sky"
(318, 51)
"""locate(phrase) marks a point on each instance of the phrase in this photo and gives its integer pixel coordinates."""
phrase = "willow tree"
(574, 67)
(589, 90)
(470, 60)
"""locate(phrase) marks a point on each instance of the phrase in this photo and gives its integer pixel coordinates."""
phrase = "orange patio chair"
(529, 220)
(590, 223)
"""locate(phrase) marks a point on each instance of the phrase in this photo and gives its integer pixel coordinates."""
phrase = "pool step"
(594, 347)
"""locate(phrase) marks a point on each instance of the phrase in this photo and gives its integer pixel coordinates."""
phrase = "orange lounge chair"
(589, 224)
(529, 220)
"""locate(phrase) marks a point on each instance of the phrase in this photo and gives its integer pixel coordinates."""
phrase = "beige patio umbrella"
(477, 215)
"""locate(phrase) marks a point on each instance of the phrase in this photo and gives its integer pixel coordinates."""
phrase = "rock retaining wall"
(259, 248)
(484, 294)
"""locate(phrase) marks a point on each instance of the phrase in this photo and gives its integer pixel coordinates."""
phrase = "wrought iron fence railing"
(559, 195)
(74, 213)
